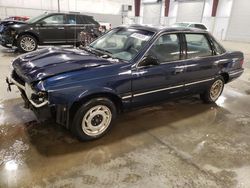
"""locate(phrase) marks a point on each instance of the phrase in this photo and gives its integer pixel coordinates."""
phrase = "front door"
(52, 29)
(155, 82)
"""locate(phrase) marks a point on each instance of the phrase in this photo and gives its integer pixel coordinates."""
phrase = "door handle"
(60, 28)
(179, 70)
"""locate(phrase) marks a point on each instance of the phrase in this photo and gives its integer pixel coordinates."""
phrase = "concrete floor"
(183, 143)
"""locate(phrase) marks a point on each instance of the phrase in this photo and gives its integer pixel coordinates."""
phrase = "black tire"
(207, 96)
(21, 43)
(80, 130)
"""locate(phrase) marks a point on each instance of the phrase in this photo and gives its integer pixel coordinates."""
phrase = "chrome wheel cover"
(216, 89)
(28, 44)
(96, 120)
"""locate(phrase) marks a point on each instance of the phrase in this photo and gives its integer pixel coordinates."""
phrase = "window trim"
(212, 40)
(181, 33)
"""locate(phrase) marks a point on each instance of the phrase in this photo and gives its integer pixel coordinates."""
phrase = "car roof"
(190, 23)
(158, 29)
(69, 13)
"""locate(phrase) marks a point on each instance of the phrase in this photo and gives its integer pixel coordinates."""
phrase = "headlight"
(40, 86)
(37, 97)
(28, 91)
(12, 32)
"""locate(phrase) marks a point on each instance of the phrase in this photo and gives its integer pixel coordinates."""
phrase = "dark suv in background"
(48, 29)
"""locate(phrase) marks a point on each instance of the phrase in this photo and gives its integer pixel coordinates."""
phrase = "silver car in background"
(191, 25)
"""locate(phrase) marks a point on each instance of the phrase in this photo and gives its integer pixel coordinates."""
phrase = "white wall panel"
(224, 8)
(239, 25)
(91, 6)
(220, 27)
(190, 11)
(152, 13)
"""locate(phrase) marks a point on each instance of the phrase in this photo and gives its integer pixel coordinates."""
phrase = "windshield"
(122, 43)
(35, 19)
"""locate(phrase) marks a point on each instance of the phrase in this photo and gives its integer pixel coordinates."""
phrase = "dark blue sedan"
(127, 67)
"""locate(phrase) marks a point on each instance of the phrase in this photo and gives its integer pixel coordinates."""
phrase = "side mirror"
(148, 61)
(40, 24)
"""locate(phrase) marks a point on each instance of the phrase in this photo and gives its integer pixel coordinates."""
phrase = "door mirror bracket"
(148, 60)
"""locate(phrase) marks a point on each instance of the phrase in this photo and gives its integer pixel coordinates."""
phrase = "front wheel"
(26, 43)
(93, 119)
(214, 91)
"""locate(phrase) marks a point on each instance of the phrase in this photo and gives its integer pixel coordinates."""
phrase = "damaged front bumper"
(6, 41)
(28, 92)
(39, 104)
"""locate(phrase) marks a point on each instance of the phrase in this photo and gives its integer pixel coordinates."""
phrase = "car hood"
(49, 62)
(12, 22)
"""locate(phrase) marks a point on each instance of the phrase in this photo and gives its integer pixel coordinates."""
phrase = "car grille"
(17, 78)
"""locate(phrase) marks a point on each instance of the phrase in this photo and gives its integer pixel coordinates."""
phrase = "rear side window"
(218, 48)
(75, 19)
(71, 19)
(89, 20)
(199, 26)
(166, 48)
(80, 19)
(198, 46)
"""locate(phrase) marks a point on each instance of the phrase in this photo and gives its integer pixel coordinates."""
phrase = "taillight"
(241, 62)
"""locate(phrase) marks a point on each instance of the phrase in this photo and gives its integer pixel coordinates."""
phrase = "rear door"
(151, 83)
(75, 24)
(202, 63)
(52, 29)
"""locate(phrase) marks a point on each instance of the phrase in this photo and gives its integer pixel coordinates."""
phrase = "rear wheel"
(26, 43)
(214, 91)
(94, 119)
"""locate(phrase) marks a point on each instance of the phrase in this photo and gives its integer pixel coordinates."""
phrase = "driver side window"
(166, 48)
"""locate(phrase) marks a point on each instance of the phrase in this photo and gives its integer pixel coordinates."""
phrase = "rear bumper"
(235, 74)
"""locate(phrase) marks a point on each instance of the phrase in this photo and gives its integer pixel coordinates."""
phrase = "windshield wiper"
(107, 53)
(103, 50)
(89, 49)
